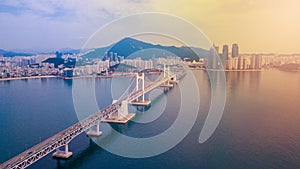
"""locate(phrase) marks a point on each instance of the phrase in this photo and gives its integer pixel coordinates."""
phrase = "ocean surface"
(260, 127)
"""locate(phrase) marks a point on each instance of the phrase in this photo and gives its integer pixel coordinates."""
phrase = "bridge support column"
(62, 154)
(173, 80)
(121, 116)
(94, 133)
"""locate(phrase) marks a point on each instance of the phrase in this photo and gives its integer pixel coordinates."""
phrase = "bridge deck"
(62, 138)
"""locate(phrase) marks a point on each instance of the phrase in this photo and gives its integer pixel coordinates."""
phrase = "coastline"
(24, 78)
(117, 75)
(250, 70)
(66, 78)
(226, 70)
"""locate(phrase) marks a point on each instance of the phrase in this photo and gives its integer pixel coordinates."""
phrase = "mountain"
(31, 52)
(5, 53)
(64, 51)
(132, 48)
(127, 47)
(97, 53)
(55, 61)
(69, 51)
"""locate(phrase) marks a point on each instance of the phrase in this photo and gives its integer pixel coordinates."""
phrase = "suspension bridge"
(116, 112)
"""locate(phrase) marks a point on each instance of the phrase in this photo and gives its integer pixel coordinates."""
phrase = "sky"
(258, 26)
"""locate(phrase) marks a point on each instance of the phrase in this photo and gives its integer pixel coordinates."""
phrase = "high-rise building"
(115, 57)
(258, 61)
(225, 52)
(58, 54)
(212, 58)
(216, 48)
(233, 63)
(224, 58)
(252, 61)
(111, 56)
(242, 63)
(235, 50)
(105, 57)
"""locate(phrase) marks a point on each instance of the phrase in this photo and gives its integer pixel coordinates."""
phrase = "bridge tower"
(168, 75)
(142, 78)
(143, 102)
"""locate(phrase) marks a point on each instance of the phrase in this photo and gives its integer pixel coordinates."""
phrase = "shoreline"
(226, 70)
(25, 78)
(116, 76)
(252, 70)
(65, 78)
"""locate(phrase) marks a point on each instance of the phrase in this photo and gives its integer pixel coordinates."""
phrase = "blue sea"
(260, 126)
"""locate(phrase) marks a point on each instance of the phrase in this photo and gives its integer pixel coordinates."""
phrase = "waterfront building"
(240, 63)
(233, 63)
(225, 57)
(58, 54)
(225, 52)
(258, 61)
(213, 58)
(235, 51)
(139, 63)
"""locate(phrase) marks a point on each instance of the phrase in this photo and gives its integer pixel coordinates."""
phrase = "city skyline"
(258, 26)
(219, 48)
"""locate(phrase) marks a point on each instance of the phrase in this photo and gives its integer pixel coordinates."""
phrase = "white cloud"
(57, 23)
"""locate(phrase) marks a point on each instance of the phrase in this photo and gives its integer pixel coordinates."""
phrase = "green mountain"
(132, 48)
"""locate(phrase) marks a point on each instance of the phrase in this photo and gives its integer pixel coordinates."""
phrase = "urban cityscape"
(172, 84)
(39, 64)
(239, 61)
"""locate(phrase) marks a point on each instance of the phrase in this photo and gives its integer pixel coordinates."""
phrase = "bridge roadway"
(62, 138)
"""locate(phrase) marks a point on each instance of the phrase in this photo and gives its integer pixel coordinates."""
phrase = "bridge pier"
(121, 116)
(173, 80)
(62, 154)
(167, 85)
(94, 133)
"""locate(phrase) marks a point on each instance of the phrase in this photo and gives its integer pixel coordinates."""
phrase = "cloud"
(78, 8)
(39, 24)
(239, 21)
